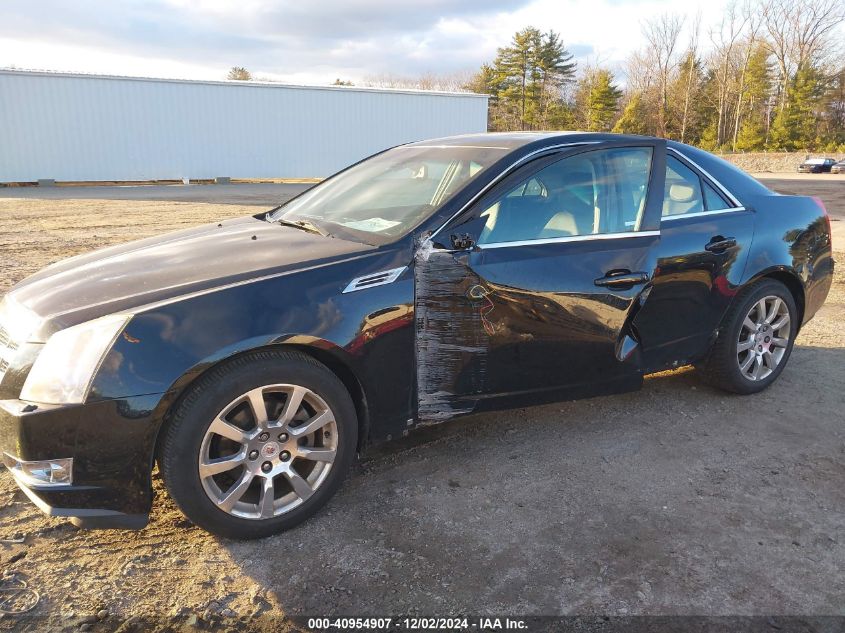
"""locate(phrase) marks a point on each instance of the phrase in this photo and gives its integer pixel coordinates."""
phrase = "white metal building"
(71, 127)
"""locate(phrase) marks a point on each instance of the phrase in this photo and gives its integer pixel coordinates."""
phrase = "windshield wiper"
(303, 225)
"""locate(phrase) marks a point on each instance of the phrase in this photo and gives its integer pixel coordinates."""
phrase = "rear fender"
(792, 244)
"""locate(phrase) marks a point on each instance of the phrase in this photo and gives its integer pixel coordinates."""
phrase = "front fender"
(371, 332)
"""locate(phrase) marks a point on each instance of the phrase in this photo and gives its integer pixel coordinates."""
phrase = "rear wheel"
(259, 444)
(755, 341)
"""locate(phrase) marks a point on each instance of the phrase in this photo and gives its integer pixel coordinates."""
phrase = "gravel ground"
(675, 500)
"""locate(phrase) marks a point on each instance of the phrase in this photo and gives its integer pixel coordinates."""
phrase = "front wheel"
(259, 444)
(755, 341)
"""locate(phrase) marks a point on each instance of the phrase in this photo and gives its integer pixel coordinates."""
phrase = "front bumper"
(111, 444)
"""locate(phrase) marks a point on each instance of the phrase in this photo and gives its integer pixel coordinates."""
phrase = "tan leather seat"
(681, 198)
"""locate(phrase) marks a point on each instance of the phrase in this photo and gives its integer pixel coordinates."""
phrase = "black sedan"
(816, 165)
(254, 358)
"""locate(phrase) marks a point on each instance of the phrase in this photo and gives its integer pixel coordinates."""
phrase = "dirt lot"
(675, 500)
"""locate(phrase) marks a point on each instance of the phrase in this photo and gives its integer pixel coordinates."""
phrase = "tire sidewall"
(196, 412)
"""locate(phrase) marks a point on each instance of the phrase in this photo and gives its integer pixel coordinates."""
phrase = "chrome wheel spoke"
(268, 496)
(317, 422)
(326, 455)
(234, 494)
(221, 465)
(779, 342)
(294, 401)
(229, 431)
(769, 360)
(761, 312)
(748, 324)
(747, 362)
(257, 406)
(781, 322)
(774, 309)
(745, 345)
(301, 487)
(758, 367)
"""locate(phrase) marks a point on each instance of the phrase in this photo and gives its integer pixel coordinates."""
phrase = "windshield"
(384, 197)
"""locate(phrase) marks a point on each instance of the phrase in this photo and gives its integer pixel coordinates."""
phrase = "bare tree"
(691, 58)
(662, 35)
(448, 82)
(798, 31)
(752, 19)
(724, 42)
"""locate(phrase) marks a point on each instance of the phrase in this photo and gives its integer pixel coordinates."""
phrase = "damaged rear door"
(527, 296)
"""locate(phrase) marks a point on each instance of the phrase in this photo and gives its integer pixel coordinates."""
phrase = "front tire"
(755, 340)
(259, 444)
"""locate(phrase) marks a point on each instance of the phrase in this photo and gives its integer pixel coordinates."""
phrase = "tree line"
(771, 76)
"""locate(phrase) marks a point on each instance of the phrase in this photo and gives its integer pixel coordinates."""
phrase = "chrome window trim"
(504, 173)
(572, 238)
(731, 198)
(699, 214)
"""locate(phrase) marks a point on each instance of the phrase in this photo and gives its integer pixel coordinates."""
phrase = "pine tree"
(795, 126)
(634, 119)
(527, 77)
(239, 73)
(596, 100)
(556, 68)
(756, 99)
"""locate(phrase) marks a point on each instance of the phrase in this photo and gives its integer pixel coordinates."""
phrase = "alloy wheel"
(268, 451)
(763, 338)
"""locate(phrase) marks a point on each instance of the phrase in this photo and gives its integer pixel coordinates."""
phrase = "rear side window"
(712, 200)
(687, 193)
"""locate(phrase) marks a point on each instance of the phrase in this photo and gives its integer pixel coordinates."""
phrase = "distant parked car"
(838, 168)
(816, 165)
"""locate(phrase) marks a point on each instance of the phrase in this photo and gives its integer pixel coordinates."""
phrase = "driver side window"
(596, 192)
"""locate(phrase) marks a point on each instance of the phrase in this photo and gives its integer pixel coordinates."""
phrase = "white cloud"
(307, 42)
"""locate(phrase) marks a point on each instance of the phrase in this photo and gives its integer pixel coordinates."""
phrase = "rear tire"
(755, 340)
(259, 444)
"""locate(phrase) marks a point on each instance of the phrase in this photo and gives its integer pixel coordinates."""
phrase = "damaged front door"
(530, 298)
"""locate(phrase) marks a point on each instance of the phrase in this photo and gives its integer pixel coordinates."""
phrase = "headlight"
(63, 371)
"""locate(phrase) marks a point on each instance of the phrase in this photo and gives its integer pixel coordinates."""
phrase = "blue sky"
(313, 42)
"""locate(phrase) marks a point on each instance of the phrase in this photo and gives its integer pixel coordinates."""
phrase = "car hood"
(159, 268)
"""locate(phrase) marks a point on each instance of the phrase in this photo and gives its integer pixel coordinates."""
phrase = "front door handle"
(719, 244)
(622, 279)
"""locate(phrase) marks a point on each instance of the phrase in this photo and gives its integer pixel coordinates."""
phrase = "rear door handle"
(719, 244)
(622, 279)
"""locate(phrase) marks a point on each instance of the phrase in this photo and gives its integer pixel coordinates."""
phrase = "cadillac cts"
(254, 358)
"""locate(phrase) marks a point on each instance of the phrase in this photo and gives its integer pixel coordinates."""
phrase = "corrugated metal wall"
(81, 127)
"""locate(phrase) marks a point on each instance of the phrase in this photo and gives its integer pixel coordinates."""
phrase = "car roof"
(515, 140)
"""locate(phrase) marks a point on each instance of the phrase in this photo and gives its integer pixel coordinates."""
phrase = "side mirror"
(462, 241)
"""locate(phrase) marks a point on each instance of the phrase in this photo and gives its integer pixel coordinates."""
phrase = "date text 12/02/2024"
(417, 623)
